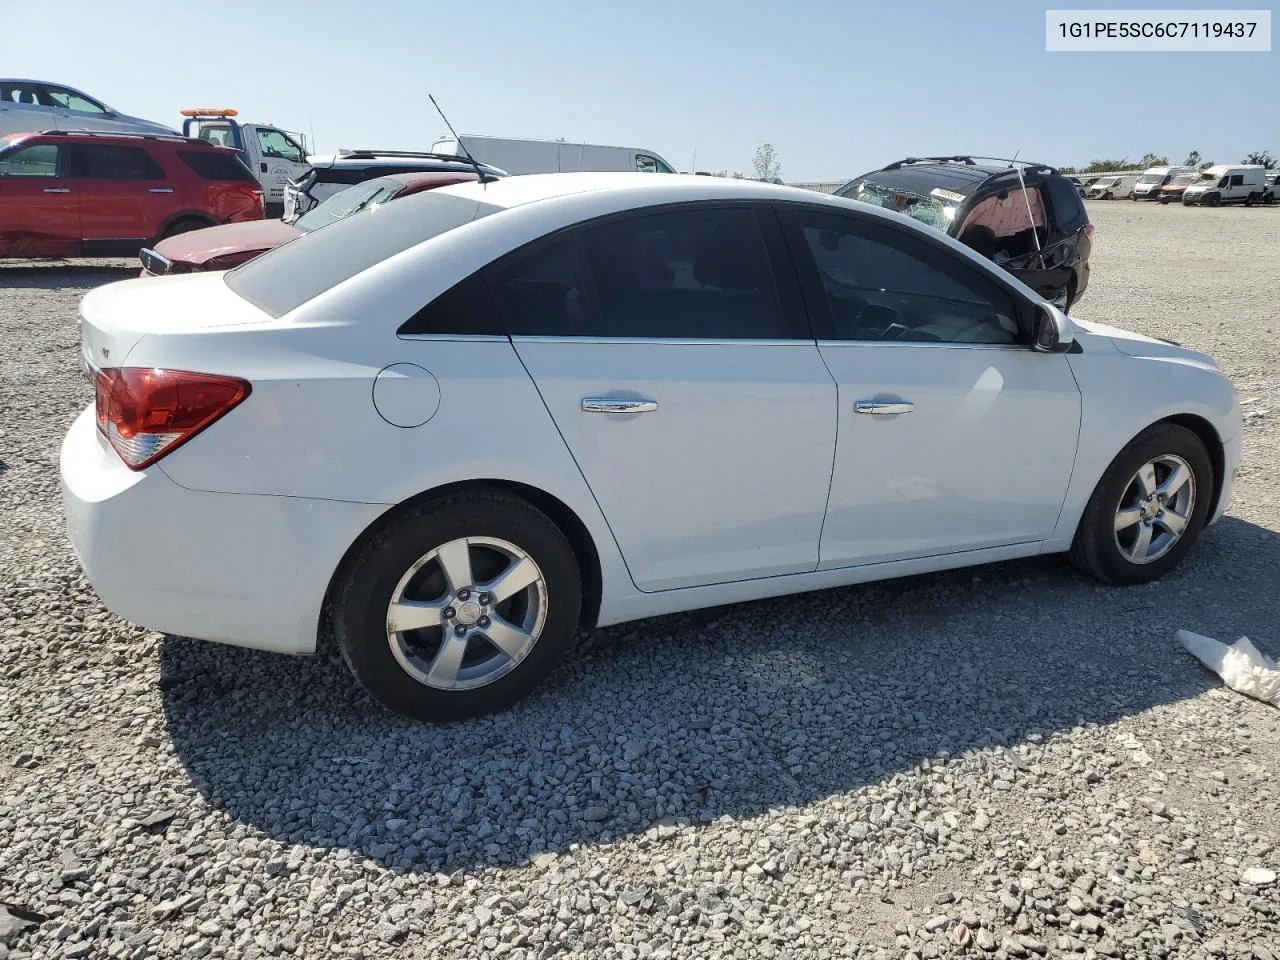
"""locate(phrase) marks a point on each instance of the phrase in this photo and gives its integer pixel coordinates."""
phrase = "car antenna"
(484, 177)
(1027, 200)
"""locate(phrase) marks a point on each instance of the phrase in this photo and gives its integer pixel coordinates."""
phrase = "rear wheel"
(458, 607)
(1251, 199)
(183, 226)
(1148, 508)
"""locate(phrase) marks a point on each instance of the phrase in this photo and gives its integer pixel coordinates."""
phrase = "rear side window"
(104, 161)
(283, 279)
(468, 309)
(1068, 211)
(701, 274)
(216, 165)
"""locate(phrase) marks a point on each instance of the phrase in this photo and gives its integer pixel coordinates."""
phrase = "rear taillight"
(145, 413)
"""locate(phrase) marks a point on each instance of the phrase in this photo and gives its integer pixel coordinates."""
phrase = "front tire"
(1148, 508)
(458, 607)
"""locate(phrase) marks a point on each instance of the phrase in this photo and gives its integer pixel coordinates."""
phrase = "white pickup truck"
(274, 155)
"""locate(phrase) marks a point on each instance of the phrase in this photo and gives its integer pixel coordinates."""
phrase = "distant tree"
(1152, 160)
(1206, 165)
(766, 163)
(1106, 166)
(722, 173)
(1263, 157)
(1193, 159)
(739, 175)
(1067, 169)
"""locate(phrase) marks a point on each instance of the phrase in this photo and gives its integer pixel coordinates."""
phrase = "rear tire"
(459, 651)
(183, 226)
(1122, 510)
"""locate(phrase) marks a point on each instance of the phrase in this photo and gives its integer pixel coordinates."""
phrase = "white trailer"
(552, 156)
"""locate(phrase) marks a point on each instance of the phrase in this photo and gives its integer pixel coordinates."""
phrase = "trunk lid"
(116, 317)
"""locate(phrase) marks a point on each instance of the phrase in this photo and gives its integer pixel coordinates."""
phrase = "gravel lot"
(1006, 762)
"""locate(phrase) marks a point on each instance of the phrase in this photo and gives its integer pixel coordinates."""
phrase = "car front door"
(678, 365)
(124, 197)
(38, 211)
(279, 160)
(953, 434)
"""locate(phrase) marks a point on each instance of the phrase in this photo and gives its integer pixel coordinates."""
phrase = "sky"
(838, 88)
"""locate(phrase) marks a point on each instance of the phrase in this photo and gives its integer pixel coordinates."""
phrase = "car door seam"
(568, 449)
(835, 446)
(1075, 457)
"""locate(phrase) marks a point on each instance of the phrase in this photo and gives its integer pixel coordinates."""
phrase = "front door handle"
(617, 405)
(883, 408)
(162, 189)
(56, 190)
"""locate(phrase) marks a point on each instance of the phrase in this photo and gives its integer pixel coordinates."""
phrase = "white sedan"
(474, 421)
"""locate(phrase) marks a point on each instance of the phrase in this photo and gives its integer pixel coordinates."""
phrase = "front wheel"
(458, 607)
(1148, 508)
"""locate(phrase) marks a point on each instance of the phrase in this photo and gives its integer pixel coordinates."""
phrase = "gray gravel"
(1003, 762)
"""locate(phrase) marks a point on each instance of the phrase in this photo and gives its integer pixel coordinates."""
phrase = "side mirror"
(1053, 330)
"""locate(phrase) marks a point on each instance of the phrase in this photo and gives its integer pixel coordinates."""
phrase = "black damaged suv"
(1026, 217)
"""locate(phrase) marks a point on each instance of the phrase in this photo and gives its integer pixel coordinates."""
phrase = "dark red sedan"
(224, 247)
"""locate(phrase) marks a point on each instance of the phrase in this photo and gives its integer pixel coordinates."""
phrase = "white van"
(1245, 184)
(552, 156)
(1110, 187)
(1152, 179)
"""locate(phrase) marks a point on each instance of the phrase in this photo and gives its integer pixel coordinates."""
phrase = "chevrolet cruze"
(469, 423)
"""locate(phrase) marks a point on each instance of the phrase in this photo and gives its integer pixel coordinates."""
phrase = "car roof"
(537, 187)
(107, 136)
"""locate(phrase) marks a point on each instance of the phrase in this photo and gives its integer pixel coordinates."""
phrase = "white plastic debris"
(1240, 665)
(1258, 877)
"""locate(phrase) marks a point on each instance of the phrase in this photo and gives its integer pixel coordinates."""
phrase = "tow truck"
(274, 155)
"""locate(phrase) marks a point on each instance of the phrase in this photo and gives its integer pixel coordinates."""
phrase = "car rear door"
(954, 435)
(21, 110)
(38, 211)
(678, 365)
(124, 196)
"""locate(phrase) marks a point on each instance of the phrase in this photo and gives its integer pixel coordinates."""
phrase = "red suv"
(75, 194)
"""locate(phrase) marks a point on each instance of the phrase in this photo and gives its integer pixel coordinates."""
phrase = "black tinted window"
(103, 161)
(689, 273)
(1069, 212)
(216, 165)
(883, 283)
(542, 292)
(467, 309)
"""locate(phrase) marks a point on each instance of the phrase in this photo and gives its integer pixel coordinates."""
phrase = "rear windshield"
(216, 165)
(285, 278)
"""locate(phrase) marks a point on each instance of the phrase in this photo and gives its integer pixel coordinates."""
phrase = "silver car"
(33, 106)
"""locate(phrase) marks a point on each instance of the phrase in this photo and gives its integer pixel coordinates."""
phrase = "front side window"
(38, 160)
(882, 283)
(69, 100)
(648, 164)
(107, 162)
(1237, 180)
(273, 143)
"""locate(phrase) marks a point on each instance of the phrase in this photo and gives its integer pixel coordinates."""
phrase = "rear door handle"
(883, 408)
(617, 405)
(56, 190)
(162, 189)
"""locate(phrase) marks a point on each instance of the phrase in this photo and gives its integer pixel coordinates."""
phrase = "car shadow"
(52, 274)
(732, 711)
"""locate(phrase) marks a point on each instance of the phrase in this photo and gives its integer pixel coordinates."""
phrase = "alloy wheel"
(1155, 509)
(466, 613)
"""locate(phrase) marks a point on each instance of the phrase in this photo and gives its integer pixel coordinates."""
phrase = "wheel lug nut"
(483, 622)
(448, 613)
(464, 594)
(459, 629)
(485, 599)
